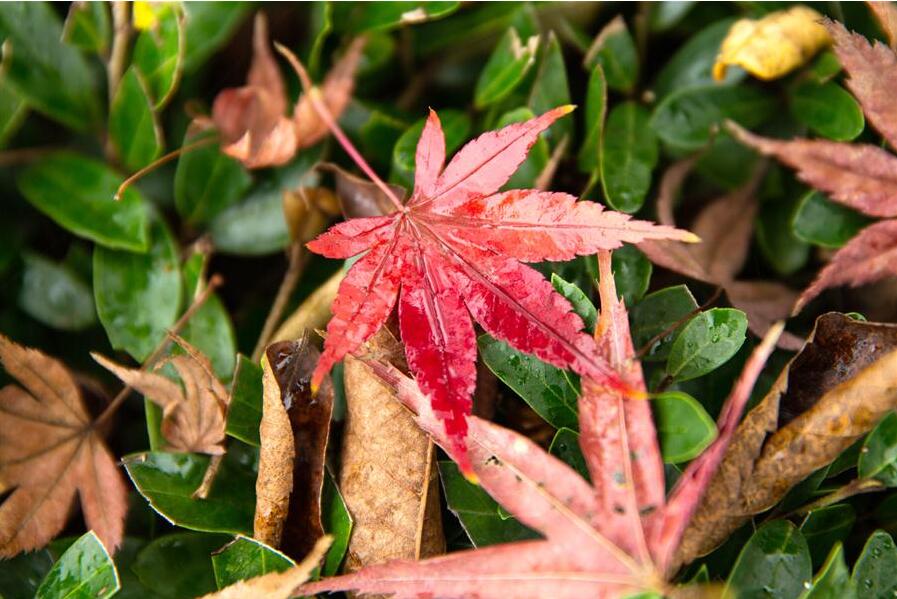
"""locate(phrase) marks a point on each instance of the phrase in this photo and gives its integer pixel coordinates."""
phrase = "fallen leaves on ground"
(49, 451)
(294, 431)
(193, 412)
(860, 176)
(834, 391)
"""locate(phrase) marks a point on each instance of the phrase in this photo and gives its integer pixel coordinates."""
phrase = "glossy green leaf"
(255, 226)
(337, 523)
(823, 222)
(133, 129)
(683, 426)
(168, 480)
(686, 119)
(727, 163)
(84, 571)
(878, 457)
(209, 329)
(379, 135)
(483, 22)
(595, 113)
(824, 67)
(455, 125)
(692, 64)
(21, 575)
(536, 160)
(51, 75)
(774, 564)
(707, 342)
(614, 49)
(826, 526)
(138, 295)
(245, 558)
(551, 89)
(582, 305)
(13, 110)
(873, 572)
(505, 69)
(88, 26)
(565, 446)
(545, 388)
(359, 17)
(244, 414)
(53, 294)
(786, 252)
(833, 580)
(666, 15)
(477, 511)
(78, 193)
(656, 314)
(209, 25)
(179, 565)
(159, 54)
(827, 109)
(207, 182)
(632, 273)
(628, 155)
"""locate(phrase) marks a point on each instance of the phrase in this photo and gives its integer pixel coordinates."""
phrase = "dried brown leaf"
(765, 302)
(886, 14)
(49, 452)
(307, 211)
(359, 198)
(294, 431)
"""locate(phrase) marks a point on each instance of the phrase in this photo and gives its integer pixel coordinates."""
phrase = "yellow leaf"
(773, 46)
(146, 14)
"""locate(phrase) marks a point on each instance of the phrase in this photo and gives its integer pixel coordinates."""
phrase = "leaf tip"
(566, 109)
(690, 237)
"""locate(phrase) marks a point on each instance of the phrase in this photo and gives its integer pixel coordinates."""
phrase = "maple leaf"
(193, 417)
(860, 176)
(252, 120)
(452, 254)
(612, 539)
(49, 451)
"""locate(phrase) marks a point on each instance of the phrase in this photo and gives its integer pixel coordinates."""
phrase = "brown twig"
(854, 487)
(160, 161)
(121, 18)
(297, 259)
(202, 491)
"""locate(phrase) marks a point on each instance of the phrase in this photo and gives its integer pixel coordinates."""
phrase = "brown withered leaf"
(193, 416)
(886, 14)
(313, 313)
(831, 393)
(294, 431)
(276, 585)
(387, 478)
(307, 211)
(359, 198)
(49, 451)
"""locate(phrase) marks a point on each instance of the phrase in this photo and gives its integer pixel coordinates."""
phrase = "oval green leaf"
(707, 342)
(159, 54)
(53, 294)
(657, 313)
(827, 109)
(455, 125)
(84, 570)
(133, 129)
(833, 579)
(878, 457)
(826, 526)
(774, 564)
(505, 69)
(873, 572)
(207, 182)
(245, 558)
(822, 222)
(628, 155)
(683, 426)
(179, 565)
(581, 303)
(595, 112)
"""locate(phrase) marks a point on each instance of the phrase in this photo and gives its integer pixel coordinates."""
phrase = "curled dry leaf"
(193, 415)
(886, 15)
(277, 585)
(387, 475)
(49, 451)
(358, 197)
(294, 431)
(831, 393)
(773, 46)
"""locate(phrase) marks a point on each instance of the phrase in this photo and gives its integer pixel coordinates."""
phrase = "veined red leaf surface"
(454, 250)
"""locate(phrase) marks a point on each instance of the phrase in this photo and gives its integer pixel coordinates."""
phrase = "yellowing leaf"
(773, 46)
(146, 14)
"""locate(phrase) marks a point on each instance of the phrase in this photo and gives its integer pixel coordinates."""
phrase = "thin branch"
(205, 141)
(855, 487)
(121, 17)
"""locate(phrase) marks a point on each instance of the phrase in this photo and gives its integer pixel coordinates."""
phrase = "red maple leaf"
(452, 255)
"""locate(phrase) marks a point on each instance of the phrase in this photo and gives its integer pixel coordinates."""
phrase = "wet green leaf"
(244, 414)
(255, 226)
(692, 64)
(657, 313)
(245, 558)
(84, 571)
(53, 294)
(179, 565)
(536, 160)
(707, 342)
(337, 522)
(209, 329)
(823, 222)
(582, 305)
(505, 69)
(683, 426)
(628, 155)
(774, 564)
(565, 446)
(827, 109)
(632, 273)
(878, 457)
(824, 527)
(132, 123)
(833, 580)
(666, 15)
(13, 111)
(874, 570)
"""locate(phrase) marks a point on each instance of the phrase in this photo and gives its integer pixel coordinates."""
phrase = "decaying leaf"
(832, 392)
(886, 15)
(277, 585)
(313, 313)
(773, 46)
(387, 475)
(49, 451)
(294, 431)
(193, 413)
(358, 197)
(307, 210)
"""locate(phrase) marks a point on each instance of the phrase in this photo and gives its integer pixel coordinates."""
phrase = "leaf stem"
(297, 260)
(854, 487)
(159, 162)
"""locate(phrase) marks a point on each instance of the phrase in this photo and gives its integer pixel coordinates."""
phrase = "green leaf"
(379, 135)
(455, 125)
(692, 64)
(78, 193)
(88, 27)
(536, 160)
(52, 76)
(666, 15)
(632, 273)
(321, 22)
(823, 222)
(245, 558)
(596, 110)
(209, 25)
(582, 305)
(13, 110)
(873, 572)
(827, 109)
(85, 571)
(545, 388)
(505, 69)
(477, 511)
(179, 565)
(878, 458)
(782, 248)
(614, 49)
(132, 123)
(628, 155)
(138, 295)
(774, 564)
(551, 89)
(833, 580)
(255, 226)
(337, 522)
(727, 163)
(207, 182)
(683, 426)
(686, 119)
(159, 54)
(167, 481)
(707, 342)
(210, 328)
(565, 446)
(53, 294)
(657, 313)
(825, 67)
(359, 17)
(21, 575)
(825, 527)
(244, 414)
